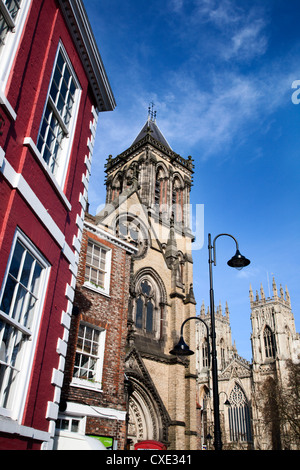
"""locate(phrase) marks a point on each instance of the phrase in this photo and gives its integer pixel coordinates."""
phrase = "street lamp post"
(238, 261)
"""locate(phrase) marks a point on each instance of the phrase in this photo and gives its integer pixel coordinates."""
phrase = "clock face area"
(130, 229)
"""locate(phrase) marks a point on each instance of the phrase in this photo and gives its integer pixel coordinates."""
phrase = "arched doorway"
(147, 418)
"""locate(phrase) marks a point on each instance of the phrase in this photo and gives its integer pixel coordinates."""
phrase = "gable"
(237, 368)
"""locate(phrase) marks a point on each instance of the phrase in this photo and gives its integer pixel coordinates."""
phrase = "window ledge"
(90, 286)
(10, 426)
(28, 142)
(86, 384)
(7, 106)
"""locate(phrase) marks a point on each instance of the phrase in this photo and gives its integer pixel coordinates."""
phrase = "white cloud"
(239, 31)
(227, 111)
(219, 12)
(248, 42)
(176, 5)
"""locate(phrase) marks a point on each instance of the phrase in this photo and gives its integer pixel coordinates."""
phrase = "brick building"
(94, 396)
(52, 87)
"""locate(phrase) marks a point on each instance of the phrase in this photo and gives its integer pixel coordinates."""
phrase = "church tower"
(273, 329)
(274, 342)
(147, 205)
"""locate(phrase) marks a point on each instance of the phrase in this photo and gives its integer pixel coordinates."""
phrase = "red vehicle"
(150, 445)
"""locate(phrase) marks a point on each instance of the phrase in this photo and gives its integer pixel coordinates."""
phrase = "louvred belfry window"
(177, 200)
(269, 343)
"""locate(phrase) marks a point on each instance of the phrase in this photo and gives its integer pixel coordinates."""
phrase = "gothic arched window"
(144, 308)
(239, 416)
(223, 358)
(204, 353)
(148, 313)
(204, 428)
(269, 343)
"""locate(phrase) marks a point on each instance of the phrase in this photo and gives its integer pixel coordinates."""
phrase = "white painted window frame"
(67, 141)
(97, 383)
(9, 50)
(29, 347)
(106, 288)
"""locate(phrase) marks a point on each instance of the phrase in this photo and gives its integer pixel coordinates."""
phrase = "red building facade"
(52, 87)
(94, 400)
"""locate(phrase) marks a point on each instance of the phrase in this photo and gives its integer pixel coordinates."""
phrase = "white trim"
(6, 104)
(106, 288)
(80, 29)
(2, 157)
(17, 181)
(11, 46)
(29, 143)
(52, 410)
(57, 378)
(12, 427)
(29, 348)
(76, 409)
(97, 384)
(109, 237)
(69, 133)
(69, 293)
(61, 347)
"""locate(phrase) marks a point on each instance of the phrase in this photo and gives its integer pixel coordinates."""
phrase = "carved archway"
(148, 418)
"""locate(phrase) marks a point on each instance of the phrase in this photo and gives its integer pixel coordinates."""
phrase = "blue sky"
(220, 73)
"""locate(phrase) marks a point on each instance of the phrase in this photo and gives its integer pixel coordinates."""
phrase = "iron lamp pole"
(238, 261)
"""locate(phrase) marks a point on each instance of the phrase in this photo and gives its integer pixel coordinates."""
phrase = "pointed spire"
(262, 292)
(202, 310)
(171, 247)
(227, 310)
(275, 294)
(281, 292)
(251, 294)
(152, 129)
(287, 296)
(190, 298)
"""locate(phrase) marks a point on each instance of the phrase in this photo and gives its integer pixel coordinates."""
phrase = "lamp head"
(238, 261)
(181, 349)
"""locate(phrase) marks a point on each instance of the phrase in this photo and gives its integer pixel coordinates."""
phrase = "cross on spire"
(151, 112)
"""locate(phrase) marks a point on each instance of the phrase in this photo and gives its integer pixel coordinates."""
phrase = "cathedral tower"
(274, 342)
(273, 329)
(147, 205)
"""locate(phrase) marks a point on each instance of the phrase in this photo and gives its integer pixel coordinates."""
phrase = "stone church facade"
(147, 205)
(274, 342)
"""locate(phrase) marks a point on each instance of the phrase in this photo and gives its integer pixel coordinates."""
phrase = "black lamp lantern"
(238, 261)
(181, 349)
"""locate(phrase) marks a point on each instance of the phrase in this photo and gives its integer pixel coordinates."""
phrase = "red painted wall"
(26, 91)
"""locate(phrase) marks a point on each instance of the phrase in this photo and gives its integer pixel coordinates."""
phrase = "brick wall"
(110, 313)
